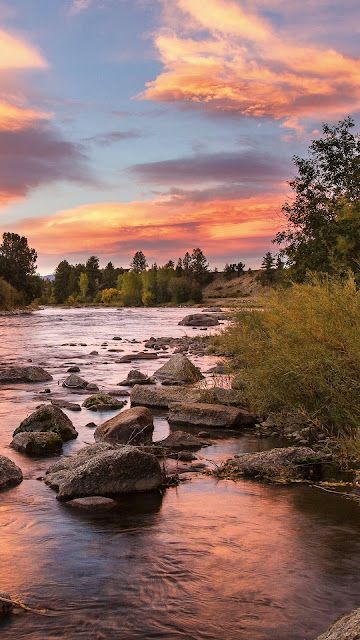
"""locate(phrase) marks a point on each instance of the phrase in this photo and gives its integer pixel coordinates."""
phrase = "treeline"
(140, 285)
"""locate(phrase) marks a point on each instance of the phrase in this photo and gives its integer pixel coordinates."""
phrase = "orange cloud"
(226, 59)
(160, 226)
(15, 53)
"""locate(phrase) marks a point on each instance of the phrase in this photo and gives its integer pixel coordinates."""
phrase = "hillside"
(239, 289)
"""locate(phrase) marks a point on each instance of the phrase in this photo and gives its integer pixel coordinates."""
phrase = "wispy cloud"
(224, 58)
(111, 137)
(78, 6)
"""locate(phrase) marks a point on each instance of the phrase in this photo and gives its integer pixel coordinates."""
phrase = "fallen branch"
(15, 603)
(348, 496)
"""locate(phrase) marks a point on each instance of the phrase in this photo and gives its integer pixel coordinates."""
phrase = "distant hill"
(222, 290)
(51, 277)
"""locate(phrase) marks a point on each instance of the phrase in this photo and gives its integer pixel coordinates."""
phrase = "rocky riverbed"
(158, 525)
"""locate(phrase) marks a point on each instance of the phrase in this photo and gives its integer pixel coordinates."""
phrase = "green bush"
(9, 297)
(302, 354)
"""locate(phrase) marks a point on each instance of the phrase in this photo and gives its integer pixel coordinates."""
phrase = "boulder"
(37, 443)
(199, 320)
(285, 463)
(24, 374)
(136, 377)
(75, 382)
(132, 426)
(95, 504)
(102, 402)
(221, 395)
(5, 607)
(73, 369)
(161, 396)
(209, 415)
(48, 418)
(10, 474)
(180, 441)
(92, 387)
(179, 369)
(104, 470)
(212, 310)
(347, 627)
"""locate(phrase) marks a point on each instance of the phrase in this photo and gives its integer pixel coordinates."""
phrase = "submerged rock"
(103, 402)
(209, 415)
(136, 377)
(281, 463)
(37, 443)
(64, 404)
(132, 426)
(10, 474)
(161, 396)
(180, 441)
(93, 504)
(48, 418)
(199, 320)
(347, 627)
(75, 382)
(24, 374)
(179, 369)
(102, 470)
(142, 355)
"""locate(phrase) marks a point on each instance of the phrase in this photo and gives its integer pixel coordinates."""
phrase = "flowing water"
(208, 560)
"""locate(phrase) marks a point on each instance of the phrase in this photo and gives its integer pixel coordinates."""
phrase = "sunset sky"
(163, 125)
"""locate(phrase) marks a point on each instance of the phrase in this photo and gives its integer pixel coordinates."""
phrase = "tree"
(131, 289)
(199, 264)
(267, 276)
(84, 284)
(93, 273)
(17, 262)
(138, 263)
(61, 288)
(179, 268)
(170, 264)
(109, 276)
(327, 181)
(187, 261)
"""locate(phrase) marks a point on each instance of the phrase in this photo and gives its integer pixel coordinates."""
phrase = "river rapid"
(208, 560)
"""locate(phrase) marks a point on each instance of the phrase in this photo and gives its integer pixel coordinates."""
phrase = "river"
(208, 560)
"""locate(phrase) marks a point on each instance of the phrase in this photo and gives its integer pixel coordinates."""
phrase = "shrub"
(302, 353)
(110, 296)
(9, 297)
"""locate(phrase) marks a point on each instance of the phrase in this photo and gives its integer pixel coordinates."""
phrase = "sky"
(164, 125)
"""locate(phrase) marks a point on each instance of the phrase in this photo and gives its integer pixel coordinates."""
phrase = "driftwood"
(15, 603)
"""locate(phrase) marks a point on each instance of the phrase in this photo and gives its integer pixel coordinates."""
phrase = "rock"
(94, 353)
(92, 387)
(204, 434)
(213, 310)
(64, 404)
(347, 627)
(102, 402)
(180, 441)
(48, 418)
(137, 356)
(75, 382)
(91, 425)
(132, 426)
(218, 368)
(10, 474)
(186, 456)
(102, 470)
(136, 377)
(24, 374)
(93, 504)
(199, 320)
(161, 396)
(5, 607)
(287, 462)
(117, 338)
(37, 443)
(73, 369)
(209, 415)
(179, 369)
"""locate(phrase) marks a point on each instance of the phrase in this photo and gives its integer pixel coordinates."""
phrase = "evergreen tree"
(187, 261)
(199, 265)
(109, 276)
(138, 263)
(61, 289)
(93, 273)
(179, 268)
(17, 263)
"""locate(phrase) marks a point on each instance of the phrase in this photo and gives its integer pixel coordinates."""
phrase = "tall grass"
(302, 354)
